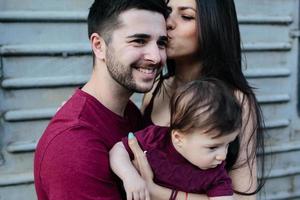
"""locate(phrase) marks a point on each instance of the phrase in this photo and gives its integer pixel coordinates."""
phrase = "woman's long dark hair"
(220, 56)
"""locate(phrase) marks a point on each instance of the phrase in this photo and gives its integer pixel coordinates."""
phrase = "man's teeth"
(146, 71)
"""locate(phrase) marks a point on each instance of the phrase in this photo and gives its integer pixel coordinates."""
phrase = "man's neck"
(107, 91)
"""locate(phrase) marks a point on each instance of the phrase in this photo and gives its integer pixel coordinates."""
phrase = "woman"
(204, 41)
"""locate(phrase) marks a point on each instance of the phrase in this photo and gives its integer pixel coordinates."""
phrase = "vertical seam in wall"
(298, 63)
(1, 65)
(1, 115)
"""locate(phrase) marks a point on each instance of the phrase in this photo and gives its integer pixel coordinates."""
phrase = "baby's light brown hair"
(205, 104)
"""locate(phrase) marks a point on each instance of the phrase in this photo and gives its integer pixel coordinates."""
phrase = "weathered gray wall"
(45, 54)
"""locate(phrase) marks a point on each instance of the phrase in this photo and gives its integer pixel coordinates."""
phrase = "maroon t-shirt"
(172, 170)
(72, 156)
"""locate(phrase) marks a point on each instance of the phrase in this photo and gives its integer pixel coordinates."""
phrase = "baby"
(189, 155)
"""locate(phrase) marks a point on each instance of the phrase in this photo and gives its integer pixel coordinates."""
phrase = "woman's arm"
(244, 176)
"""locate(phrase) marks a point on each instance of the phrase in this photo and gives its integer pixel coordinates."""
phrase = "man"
(128, 38)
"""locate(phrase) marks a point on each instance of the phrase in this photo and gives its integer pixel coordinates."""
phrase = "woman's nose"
(170, 23)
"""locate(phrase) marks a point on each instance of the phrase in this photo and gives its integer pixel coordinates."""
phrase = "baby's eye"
(213, 148)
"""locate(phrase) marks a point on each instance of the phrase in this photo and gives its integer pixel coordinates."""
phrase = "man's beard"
(123, 74)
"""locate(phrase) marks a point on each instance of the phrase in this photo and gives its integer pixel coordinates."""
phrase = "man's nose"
(153, 54)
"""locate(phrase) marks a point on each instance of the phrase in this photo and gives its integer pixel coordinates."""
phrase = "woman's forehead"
(183, 3)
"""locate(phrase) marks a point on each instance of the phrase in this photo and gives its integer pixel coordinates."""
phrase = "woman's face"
(182, 29)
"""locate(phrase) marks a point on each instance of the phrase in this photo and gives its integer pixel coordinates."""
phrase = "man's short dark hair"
(103, 15)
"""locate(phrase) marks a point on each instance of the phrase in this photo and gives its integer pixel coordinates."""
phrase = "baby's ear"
(178, 138)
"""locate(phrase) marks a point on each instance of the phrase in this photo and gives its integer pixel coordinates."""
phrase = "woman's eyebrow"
(186, 7)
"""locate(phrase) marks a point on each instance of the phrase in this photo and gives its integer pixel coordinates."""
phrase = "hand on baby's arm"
(135, 187)
(121, 165)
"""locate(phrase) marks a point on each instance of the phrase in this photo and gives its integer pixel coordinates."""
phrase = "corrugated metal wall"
(270, 31)
(45, 54)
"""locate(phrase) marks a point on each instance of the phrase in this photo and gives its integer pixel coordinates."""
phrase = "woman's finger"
(135, 148)
(139, 155)
(145, 169)
(134, 145)
(136, 165)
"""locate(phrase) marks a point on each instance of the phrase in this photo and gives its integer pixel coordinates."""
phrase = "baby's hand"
(136, 188)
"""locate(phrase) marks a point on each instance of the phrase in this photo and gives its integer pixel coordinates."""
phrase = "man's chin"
(143, 86)
(142, 90)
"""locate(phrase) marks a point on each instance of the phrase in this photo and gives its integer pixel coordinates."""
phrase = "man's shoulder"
(72, 109)
(76, 156)
(74, 116)
(78, 134)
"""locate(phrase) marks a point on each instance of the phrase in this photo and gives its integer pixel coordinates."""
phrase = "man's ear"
(178, 138)
(99, 46)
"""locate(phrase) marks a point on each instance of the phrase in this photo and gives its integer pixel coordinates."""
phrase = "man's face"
(137, 50)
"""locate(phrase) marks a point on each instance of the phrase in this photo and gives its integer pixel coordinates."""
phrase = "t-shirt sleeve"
(76, 166)
(147, 138)
(221, 186)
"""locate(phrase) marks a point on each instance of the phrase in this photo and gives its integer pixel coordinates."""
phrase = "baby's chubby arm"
(122, 166)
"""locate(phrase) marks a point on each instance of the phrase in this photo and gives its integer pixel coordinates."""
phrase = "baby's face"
(205, 151)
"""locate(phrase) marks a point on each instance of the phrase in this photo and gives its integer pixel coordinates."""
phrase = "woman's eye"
(185, 17)
(212, 148)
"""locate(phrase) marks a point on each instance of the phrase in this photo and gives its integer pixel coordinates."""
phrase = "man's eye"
(162, 44)
(139, 41)
(169, 10)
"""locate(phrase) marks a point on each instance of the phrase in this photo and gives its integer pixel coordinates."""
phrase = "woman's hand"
(140, 161)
